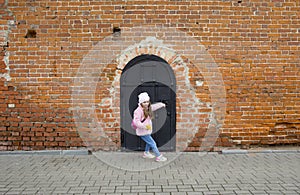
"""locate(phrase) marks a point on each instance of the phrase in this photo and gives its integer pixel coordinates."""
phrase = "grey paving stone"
(131, 183)
(201, 188)
(123, 188)
(130, 193)
(189, 181)
(170, 188)
(258, 192)
(178, 193)
(194, 193)
(102, 183)
(275, 192)
(13, 192)
(186, 190)
(154, 189)
(61, 190)
(175, 182)
(3, 190)
(106, 189)
(242, 192)
(211, 193)
(260, 186)
(162, 182)
(91, 190)
(290, 186)
(116, 183)
(78, 190)
(138, 189)
(162, 193)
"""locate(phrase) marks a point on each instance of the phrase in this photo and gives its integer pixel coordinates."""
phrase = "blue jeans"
(150, 143)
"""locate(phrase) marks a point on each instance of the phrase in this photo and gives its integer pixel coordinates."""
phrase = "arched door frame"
(168, 84)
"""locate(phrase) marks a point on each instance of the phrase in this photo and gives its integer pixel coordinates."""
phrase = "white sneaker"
(161, 158)
(148, 155)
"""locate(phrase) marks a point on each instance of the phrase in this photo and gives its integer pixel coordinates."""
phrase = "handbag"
(133, 125)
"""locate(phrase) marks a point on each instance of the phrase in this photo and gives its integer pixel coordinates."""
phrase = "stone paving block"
(242, 192)
(261, 186)
(194, 193)
(189, 181)
(261, 181)
(175, 182)
(154, 189)
(61, 190)
(30, 191)
(275, 192)
(230, 187)
(186, 189)
(178, 193)
(122, 189)
(218, 181)
(138, 189)
(86, 183)
(227, 192)
(146, 182)
(258, 192)
(102, 183)
(233, 180)
(211, 193)
(78, 190)
(204, 181)
(290, 186)
(45, 191)
(275, 186)
(162, 182)
(200, 186)
(106, 189)
(130, 193)
(215, 187)
(97, 177)
(170, 188)
(73, 183)
(289, 192)
(131, 183)
(14, 192)
(162, 193)
(92, 190)
(116, 183)
(246, 187)
(3, 190)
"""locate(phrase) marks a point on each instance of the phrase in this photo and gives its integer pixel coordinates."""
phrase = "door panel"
(154, 78)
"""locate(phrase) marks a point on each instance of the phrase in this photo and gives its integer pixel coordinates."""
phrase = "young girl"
(143, 120)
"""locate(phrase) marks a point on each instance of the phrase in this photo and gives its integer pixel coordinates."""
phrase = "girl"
(143, 120)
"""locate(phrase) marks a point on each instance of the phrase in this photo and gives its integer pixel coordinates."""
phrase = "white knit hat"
(143, 97)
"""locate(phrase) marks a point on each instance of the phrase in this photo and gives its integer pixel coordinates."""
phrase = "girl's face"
(145, 104)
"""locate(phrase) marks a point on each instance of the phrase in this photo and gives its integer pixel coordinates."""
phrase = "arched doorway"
(151, 74)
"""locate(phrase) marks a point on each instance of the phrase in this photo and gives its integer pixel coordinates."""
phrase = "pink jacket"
(138, 116)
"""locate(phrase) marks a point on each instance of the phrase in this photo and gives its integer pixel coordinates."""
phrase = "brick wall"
(254, 44)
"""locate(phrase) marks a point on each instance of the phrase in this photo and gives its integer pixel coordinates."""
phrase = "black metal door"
(152, 75)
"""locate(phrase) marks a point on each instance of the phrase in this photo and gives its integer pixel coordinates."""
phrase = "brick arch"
(191, 112)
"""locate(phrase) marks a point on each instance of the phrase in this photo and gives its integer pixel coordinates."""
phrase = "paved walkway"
(128, 173)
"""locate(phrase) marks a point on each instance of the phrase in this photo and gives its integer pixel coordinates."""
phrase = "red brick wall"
(254, 43)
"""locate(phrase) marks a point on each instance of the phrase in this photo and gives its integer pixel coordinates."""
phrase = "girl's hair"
(148, 112)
